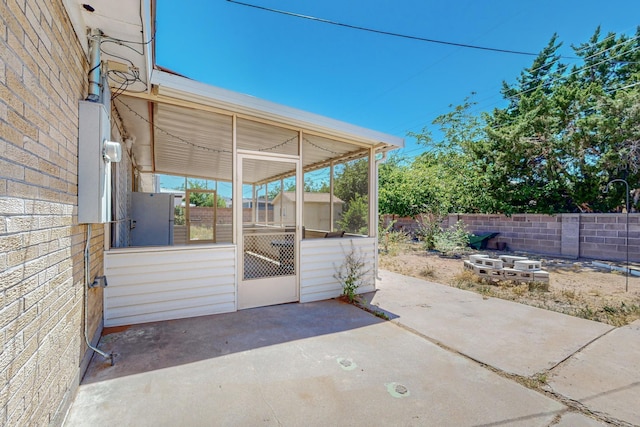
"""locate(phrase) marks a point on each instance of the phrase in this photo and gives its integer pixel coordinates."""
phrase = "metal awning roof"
(185, 127)
(179, 87)
(180, 126)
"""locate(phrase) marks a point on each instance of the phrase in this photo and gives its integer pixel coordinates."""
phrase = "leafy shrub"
(453, 240)
(356, 218)
(428, 227)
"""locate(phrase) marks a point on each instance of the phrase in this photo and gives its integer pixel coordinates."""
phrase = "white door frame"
(269, 290)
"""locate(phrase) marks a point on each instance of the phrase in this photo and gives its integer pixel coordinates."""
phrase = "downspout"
(87, 285)
(377, 214)
(94, 63)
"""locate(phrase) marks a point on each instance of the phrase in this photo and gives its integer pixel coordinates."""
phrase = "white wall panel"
(153, 284)
(320, 259)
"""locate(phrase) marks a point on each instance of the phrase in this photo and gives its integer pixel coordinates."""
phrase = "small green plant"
(396, 237)
(453, 240)
(428, 227)
(391, 239)
(586, 313)
(622, 315)
(381, 315)
(534, 382)
(485, 290)
(542, 378)
(351, 273)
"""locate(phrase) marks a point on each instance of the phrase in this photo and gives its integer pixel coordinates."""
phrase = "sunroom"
(234, 203)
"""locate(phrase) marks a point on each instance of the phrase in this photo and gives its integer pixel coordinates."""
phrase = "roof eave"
(183, 88)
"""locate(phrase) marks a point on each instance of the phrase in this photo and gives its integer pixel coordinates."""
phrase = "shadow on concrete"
(366, 303)
(157, 345)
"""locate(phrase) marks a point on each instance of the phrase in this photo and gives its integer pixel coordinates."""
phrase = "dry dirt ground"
(576, 287)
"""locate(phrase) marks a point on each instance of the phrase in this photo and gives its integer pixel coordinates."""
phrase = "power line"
(585, 67)
(576, 71)
(386, 33)
(557, 58)
(608, 49)
(427, 67)
(571, 73)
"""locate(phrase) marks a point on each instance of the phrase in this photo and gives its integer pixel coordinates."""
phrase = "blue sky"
(380, 82)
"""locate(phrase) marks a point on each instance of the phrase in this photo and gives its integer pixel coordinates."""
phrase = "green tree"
(352, 179)
(351, 185)
(401, 191)
(563, 134)
(447, 177)
(355, 218)
(204, 199)
(566, 133)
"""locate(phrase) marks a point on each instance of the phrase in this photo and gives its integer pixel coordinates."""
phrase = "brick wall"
(42, 76)
(596, 236)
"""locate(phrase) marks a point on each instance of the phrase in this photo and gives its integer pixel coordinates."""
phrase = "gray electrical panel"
(94, 172)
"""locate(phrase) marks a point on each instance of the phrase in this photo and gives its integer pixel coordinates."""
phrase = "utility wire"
(557, 58)
(577, 70)
(608, 49)
(585, 67)
(387, 33)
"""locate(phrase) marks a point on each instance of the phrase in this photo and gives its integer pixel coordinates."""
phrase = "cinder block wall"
(602, 236)
(596, 236)
(42, 76)
(527, 232)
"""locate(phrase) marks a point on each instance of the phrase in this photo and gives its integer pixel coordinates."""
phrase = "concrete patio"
(447, 358)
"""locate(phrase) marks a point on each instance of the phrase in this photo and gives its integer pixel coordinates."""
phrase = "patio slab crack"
(532, 382)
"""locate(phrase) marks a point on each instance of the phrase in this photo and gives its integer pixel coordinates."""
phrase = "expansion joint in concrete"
(536, 382)
(563, 361)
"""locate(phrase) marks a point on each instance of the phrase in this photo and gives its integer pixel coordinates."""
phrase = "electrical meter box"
(94, 171)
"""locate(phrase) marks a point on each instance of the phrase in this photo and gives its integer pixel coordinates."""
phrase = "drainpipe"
(94, 63)
(87, 285)
(377, 215)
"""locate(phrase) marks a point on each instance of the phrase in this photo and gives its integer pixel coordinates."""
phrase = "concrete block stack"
(506, 267)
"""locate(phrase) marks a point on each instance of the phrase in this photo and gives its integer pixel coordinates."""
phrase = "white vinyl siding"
(320, 259)
(153, 284)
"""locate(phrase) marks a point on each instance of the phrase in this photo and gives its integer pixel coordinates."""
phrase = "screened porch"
(235, 203)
